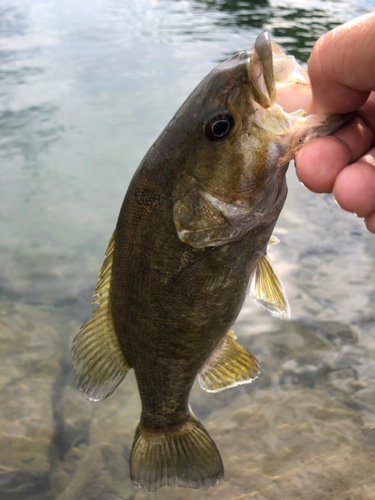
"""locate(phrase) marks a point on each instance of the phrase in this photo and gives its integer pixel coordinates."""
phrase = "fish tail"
(185, 456)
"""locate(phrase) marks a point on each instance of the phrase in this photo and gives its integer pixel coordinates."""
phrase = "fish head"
(246, 136)
(242, 138)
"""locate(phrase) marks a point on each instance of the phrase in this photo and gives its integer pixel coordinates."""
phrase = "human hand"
(342, 73)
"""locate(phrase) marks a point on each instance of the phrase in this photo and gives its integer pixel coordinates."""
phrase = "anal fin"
(229, 365)
(98, 360)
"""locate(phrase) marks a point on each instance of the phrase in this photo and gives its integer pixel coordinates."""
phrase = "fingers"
(320, 161)
(341, 66)
(345, 164)
(355, 186)
(342, 75)
(370, 222)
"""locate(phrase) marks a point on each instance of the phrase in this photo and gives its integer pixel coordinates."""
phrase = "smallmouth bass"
(192, 233)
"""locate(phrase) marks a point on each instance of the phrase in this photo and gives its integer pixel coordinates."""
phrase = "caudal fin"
(187, 457)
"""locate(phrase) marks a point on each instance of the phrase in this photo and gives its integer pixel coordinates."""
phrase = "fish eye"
(219, 127)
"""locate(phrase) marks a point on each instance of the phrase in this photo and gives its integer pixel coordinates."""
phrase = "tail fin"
(187, 457)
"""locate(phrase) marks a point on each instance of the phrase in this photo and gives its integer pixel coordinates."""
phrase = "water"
(85, 89)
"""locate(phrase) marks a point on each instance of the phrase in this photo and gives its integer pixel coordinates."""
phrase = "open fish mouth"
(276, 77)
(281, 94)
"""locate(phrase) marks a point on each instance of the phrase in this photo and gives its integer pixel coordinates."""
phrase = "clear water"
(85, 89)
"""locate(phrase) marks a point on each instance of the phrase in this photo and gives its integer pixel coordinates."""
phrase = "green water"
(85, 89)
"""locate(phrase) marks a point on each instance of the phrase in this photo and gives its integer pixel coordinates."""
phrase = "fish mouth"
(281, 93)
(277, 78)
(261, 72)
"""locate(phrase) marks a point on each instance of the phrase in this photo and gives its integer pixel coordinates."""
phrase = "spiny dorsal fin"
(185, 456)
(97, 357)
(267, 289)
(229, 365)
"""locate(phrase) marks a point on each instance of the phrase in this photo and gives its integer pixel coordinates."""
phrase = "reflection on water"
(85, 89)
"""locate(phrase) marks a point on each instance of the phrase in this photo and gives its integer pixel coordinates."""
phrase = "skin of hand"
(342, 73)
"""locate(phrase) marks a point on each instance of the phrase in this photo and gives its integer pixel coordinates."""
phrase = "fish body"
(192, 232)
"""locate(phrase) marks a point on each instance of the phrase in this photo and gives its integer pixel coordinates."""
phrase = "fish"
(190, 242)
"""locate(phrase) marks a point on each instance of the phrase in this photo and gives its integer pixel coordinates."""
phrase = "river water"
(86, 87)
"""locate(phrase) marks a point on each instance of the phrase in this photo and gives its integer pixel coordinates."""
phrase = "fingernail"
(299, 180)
(337, 203)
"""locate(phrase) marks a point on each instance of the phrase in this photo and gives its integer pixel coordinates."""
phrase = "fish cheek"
(218, 166)
(234, 172)
(249, 168)
(217, 161)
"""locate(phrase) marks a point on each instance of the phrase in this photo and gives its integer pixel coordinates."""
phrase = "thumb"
(342, 66)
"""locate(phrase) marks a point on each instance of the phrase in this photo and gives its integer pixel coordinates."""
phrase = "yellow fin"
(229, 365)
(98, 361)
(267, 290)
(274, 240)
(185, 456)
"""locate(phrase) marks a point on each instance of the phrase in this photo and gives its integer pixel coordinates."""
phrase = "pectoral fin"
(97, 357)
(229, 365)
(267, 289)
(274, 240)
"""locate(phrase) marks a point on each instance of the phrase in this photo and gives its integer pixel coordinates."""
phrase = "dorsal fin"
(98, 360)
(267, 289)
(229, 365)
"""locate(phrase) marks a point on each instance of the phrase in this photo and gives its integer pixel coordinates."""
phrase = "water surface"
(86, 87)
